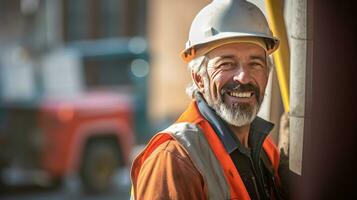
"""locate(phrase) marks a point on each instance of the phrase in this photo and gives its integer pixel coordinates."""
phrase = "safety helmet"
(228, 21)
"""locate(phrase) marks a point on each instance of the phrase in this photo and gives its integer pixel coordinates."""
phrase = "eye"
(257, 65)
(227, 65)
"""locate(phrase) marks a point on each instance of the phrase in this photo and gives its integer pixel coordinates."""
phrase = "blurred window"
(96, 27)
(93, 19)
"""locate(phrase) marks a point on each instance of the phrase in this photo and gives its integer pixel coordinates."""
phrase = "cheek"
(262, 82)
(217, 82)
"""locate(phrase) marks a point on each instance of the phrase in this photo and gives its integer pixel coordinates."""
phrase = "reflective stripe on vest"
(203, 158)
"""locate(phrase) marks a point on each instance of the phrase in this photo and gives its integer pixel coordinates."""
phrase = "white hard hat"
(228, 21)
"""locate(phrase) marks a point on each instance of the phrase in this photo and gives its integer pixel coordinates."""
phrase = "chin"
(237, 115)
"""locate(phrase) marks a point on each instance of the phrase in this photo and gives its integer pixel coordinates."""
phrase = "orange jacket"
(171, 168)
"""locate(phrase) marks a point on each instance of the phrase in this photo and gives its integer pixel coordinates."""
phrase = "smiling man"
(218, 149)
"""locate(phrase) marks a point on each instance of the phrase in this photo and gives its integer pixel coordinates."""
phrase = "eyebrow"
(221, 58)
(261, 58)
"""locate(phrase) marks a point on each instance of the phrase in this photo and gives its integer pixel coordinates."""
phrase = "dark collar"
(259, 129)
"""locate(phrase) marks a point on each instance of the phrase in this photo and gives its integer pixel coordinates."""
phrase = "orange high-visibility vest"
(208, 154)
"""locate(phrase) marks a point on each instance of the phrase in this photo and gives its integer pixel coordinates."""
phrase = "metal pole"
(282, 55)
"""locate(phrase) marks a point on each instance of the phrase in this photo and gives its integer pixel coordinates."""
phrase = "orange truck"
(81, 120)
(72, 113)
(91, 136)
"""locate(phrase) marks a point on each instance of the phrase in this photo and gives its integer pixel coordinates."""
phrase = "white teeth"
(241, 94)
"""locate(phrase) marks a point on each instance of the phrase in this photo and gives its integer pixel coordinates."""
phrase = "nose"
(242, 75)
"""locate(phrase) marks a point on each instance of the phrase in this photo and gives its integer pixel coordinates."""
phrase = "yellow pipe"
(282, 54)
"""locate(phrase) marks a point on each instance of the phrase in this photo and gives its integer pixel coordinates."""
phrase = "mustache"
(233, 86)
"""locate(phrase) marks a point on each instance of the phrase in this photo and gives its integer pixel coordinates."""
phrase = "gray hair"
(199, 65)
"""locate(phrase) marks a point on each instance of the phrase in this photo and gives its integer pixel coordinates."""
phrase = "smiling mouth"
(241, 94)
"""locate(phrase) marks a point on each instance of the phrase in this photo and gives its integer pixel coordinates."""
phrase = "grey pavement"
(70, 190)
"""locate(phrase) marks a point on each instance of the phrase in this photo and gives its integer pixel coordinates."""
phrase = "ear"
(197, 79)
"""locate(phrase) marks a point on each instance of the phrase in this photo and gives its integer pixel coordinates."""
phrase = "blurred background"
(84, 84)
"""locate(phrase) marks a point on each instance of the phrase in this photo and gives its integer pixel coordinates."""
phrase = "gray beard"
(237, 114)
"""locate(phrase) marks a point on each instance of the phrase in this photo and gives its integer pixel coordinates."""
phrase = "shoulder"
(167, 153)
(167, 173)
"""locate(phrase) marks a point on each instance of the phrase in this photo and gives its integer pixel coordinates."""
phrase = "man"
(218, 148)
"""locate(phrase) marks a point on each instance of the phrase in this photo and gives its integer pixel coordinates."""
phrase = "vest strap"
(193, 140)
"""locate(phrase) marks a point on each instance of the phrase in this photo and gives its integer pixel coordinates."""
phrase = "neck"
(242, 133)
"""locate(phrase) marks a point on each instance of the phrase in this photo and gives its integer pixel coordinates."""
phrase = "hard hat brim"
(269, 44)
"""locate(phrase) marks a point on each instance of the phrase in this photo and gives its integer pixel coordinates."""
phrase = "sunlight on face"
(235, 82)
